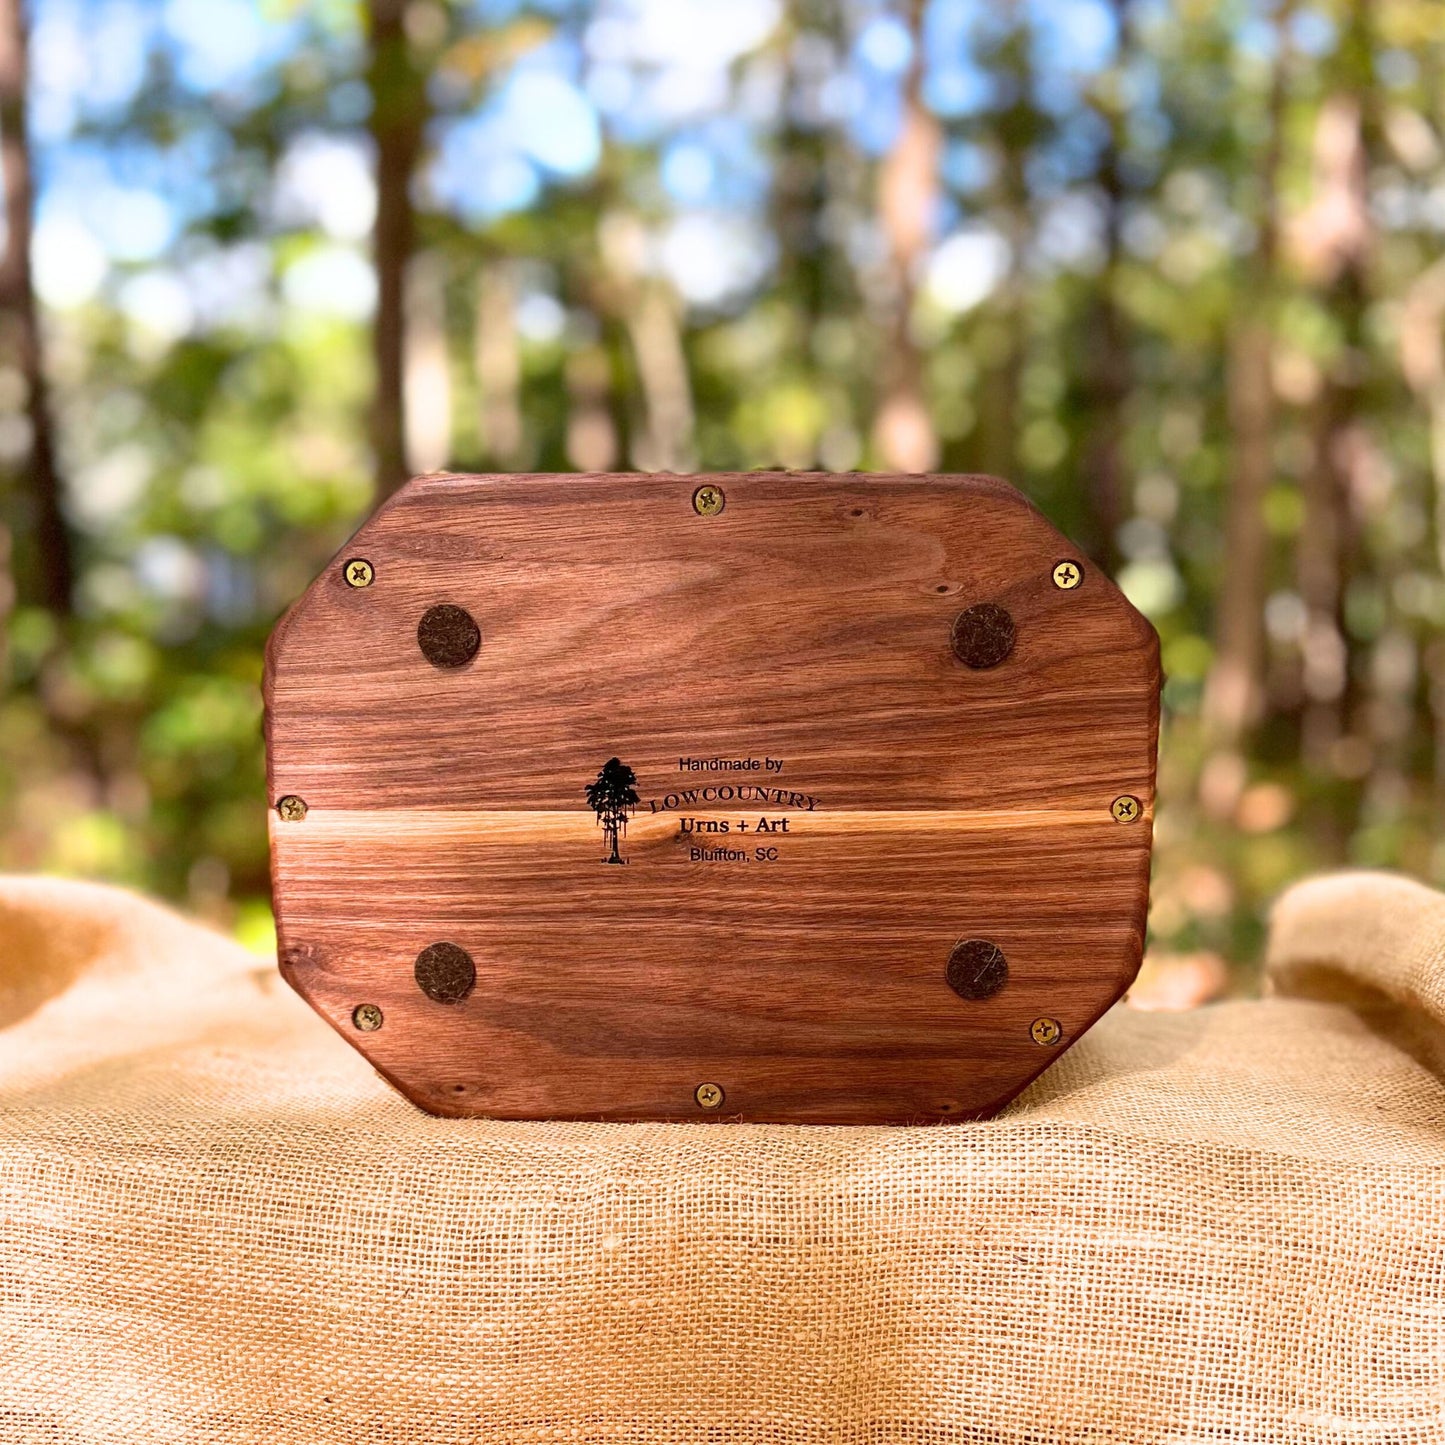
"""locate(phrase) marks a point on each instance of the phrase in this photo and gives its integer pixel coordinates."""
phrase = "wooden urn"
(767, 797)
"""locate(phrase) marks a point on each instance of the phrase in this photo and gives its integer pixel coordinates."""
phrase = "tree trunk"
(1108, 378)
(1006, 349)
(903, 430)
(1422, 361)
(656, 335)
(1336, 238)
(498, 357)
(1323, 542)
(1234, 690)
(1435, 652)
(591, 432)
(397, 123)
(428, 413)
(821, 188)
(799, 190)
(50, 539)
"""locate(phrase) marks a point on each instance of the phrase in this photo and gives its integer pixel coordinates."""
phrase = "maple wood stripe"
(343, 825)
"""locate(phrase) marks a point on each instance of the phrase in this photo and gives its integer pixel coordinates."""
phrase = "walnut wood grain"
(810, 621)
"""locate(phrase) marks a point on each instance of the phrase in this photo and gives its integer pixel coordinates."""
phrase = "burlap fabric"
(217, 1224)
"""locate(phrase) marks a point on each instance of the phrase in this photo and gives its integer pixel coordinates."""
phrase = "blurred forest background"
(1175, 269)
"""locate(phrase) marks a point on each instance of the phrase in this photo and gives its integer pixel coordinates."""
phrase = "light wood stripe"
(322, 825)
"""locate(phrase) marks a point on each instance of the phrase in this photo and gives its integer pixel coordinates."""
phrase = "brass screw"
(359, 572)
(1068, 575)
(707, 501)
(1125, 808)
(1045, 1031)
(710, 1096)
(291, 808)
(366, 1017)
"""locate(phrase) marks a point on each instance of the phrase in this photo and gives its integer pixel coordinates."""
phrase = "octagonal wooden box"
(768, 797)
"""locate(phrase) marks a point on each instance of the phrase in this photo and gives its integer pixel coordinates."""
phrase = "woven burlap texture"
(218, 1224)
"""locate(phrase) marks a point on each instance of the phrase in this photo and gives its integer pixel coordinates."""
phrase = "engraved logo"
(612, 797)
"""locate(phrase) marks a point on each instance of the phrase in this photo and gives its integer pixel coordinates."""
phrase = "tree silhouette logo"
(613, 797)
